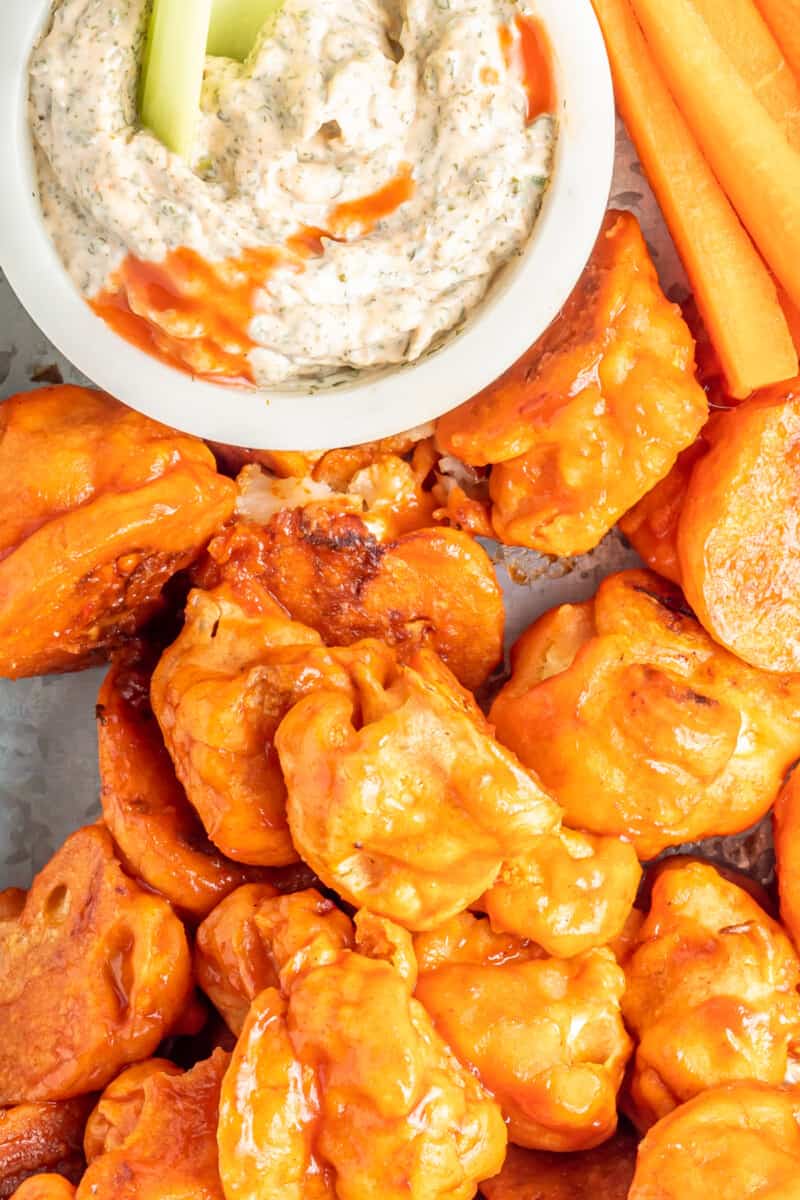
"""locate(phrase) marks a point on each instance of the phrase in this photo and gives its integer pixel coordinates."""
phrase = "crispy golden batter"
(604, 1173)
(44, 1137)
(544, 1035)
(219, 693)
(45, 1187)
(344, 1089)
(153, 1134)
(158, 834)
(711, 993)
(399, 797)
(99, 507)
(94, 970)
(570, 893)
(594, 414)
(733, 1142)
(786, 821)
(337, 571)
(640, 724)
(256, 939)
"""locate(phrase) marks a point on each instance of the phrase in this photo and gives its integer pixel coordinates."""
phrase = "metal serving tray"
(48, 752)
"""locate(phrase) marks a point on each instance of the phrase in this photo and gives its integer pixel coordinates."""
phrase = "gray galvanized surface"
(48, 751)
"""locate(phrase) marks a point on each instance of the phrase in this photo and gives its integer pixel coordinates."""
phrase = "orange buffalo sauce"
(537, 67)
(194, 315)
(190, 313)
(364, 214)
(531, 50)
(307, 242)
(506, 39)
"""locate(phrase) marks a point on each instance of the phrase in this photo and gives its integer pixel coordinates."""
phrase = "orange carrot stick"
(745, 147)
(783, 18)
(744, 35)
(733, 289)
(792, 314)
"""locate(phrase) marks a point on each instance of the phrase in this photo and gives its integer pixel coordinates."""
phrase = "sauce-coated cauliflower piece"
(711, 993)
(219, 692)
(723, 525)
(153, 1134)
(255, 939)
(640, 724)
(569, 893)
(594, 414)
(736, 1141)
(99, 508)
(544, 1035)
(398, 795)
(158, 834)
(343, 1089)
(93, 969)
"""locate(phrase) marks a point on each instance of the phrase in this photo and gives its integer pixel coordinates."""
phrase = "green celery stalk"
(235, 25)
(172, 71)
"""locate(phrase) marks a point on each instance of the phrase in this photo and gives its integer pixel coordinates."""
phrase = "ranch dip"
(397, 131)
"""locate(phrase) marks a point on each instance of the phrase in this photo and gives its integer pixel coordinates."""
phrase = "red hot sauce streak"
(194, 315)
(534, 54)
(364, 214)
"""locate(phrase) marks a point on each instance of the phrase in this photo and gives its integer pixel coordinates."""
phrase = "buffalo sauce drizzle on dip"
(537, 67)
(531, 48)
(195, 315)
(190, 313)
(354, 188)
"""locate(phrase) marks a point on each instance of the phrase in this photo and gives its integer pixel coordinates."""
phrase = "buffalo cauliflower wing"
(399, 798)
(99, 508)
(343, 571)
(42, 1138)
(722, 525)
(544, 1035)
(94, 970)
(219, 692)
(571, 892)
(45, 1187)
(737, 531)
(711, 993)
(343, 1088)
(158, 834)
(256, 939)
(736, 1141)
(153, 1134)
(786, 829)
(640, 724)
(594, 414)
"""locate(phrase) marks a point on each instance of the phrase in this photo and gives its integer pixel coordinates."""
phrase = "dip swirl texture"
(420, 102)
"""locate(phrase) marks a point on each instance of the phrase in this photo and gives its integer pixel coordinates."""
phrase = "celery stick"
(172, 71)
(235, 25)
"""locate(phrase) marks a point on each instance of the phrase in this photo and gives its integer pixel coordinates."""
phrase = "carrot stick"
(745, 148)
(734, 291)
(792, 314)
(783, 18)
(744, 35)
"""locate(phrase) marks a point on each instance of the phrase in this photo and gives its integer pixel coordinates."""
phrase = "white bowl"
(518, 309)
